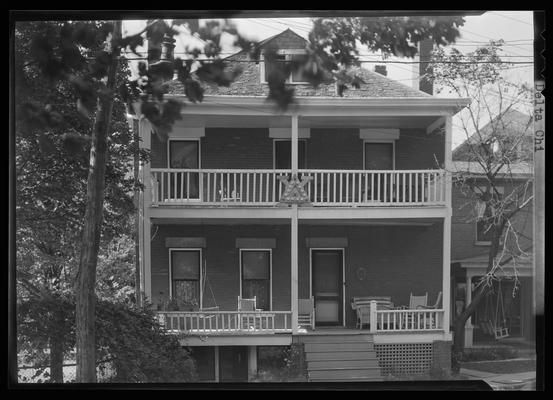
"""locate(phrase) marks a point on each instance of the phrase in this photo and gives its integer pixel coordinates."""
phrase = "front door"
(183, 155)
(327, 286)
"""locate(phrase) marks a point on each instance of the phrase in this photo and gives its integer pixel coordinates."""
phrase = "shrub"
(281, 364)
(488, 354)
(131, 346)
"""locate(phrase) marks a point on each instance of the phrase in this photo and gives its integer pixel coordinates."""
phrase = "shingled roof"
(248, 83)
(512, 124)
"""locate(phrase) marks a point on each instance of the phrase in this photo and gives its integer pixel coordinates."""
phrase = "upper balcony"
(334, 188)
(237, 152)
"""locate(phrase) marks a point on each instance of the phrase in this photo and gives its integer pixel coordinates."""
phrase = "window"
(484, 216)
(297, 75)
(379, 155)
(269, 67)
(185, 275)
(184, 154)
(283, 154)
(256, 276)
(282, 57)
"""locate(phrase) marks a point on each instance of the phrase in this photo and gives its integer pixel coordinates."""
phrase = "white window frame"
(477, 242)
(343, 249)
(289, 140)
(171, 249)
(169, 140)
(287, 53)
(392, 141)
(270, 273)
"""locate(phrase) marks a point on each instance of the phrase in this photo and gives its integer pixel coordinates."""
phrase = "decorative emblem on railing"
(294, 189)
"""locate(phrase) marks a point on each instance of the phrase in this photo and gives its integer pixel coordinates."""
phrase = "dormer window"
(284, 55)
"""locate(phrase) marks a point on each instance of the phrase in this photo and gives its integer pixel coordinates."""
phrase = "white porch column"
(468, 325)
(252, 362)
(294, 268)
(294, 144)
(294, 232)
(446, 280)
(145, 132)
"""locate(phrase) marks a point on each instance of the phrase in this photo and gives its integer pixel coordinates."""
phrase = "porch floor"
(331, 330)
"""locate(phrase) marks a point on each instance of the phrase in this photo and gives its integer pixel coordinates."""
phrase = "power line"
(486, 37)
(288, 24)
(511, 18)
(505, 41)
(266, 26)
(369, 61)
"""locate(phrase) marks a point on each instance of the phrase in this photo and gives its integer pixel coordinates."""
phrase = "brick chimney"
(381, 69)
(420, 68)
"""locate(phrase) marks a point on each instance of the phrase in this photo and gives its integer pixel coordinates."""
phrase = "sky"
(514, 27)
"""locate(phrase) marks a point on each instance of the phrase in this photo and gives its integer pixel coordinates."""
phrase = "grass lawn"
(502, 366)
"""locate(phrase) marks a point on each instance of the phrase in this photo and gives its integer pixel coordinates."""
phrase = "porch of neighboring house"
(506, 315)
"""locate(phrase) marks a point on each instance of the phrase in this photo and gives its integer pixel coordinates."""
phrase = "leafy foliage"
(129, 340)
(333, 42)
(52, 161)
(140, 350)
(281, 364)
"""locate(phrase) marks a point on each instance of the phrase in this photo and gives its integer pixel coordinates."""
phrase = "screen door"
(327, 285)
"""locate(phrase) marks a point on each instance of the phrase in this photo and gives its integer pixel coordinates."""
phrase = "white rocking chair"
(306, 312)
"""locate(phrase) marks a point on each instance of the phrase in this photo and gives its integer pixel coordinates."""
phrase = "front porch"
(210, 264)
(203, 323)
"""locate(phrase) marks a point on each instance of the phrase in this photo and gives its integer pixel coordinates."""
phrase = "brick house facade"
(221, 220)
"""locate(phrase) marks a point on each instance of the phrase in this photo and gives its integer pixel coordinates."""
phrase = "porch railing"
(217, 186)
(405, 320)
(324, 188)
(226, 322)
(362, 187)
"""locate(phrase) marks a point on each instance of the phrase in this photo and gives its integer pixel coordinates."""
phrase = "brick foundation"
(441, 358)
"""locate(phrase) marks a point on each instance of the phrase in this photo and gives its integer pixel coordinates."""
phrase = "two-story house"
(336, 198)
(507, 312)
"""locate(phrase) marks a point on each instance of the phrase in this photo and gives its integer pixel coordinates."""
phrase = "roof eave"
(432, 104)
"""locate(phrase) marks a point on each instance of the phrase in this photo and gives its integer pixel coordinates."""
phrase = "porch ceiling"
(275, 121)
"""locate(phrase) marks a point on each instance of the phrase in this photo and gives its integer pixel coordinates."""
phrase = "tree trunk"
(86, 279)
(461, 320)
(56, 352)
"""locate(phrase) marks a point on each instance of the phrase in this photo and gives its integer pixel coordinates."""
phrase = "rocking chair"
(246, 309)
(306, 312)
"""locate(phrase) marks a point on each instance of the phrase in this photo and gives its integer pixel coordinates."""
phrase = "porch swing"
(206, 310)
(205, 281)
(495, 323)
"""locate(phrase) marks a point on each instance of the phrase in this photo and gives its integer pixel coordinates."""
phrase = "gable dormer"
(288, 46)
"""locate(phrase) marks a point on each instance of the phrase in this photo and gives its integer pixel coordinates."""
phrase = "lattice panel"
(404, 358)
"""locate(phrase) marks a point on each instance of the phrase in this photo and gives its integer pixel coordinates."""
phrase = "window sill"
(482, 243)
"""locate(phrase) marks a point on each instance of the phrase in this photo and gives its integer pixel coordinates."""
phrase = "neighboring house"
(339, 197)
(470, 243)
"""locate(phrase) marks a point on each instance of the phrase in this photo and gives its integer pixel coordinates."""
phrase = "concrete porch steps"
(341, 358)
